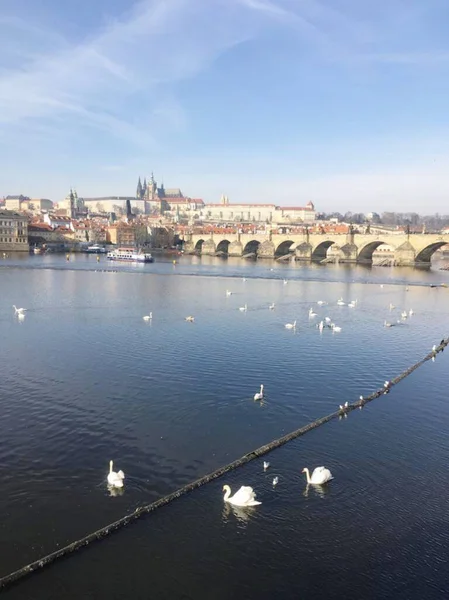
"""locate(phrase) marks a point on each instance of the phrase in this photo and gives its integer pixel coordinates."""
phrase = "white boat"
(96, 249)
(130, 255)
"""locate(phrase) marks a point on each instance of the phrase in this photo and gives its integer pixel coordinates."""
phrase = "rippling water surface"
(84, 379)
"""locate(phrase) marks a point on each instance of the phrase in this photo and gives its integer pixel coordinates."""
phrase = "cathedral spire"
(139, 191)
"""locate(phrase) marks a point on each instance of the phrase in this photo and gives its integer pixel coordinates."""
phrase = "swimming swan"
(319, 476)
(243, 308)
(259, 395)
(244, 497)
(290, 325)
(115, 479)
(148, 317)
(19, 311)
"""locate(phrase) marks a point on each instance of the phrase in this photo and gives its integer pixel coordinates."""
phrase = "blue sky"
(343, 102)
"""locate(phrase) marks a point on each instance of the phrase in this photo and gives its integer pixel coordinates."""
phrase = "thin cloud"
(157, 44)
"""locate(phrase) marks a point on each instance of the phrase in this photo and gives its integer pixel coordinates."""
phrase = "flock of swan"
(246, 496)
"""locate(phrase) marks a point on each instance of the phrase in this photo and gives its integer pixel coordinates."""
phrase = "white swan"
(243, 308)
(319, 476)
(328, 320)
(190, 319)
(410, 312)
(335, 328)
(404, 314)
(228, 293)
(115, 479)
(148, 317)
(272, 305)
(266, 465)
(321, 302)
(259, 395)
(340, 302)
(387, 324)
(19, 311)
(320, 326)
(392, 306)
(275, 481)
(244, 497)
(285, 281)
(311, 313)
(290, 325)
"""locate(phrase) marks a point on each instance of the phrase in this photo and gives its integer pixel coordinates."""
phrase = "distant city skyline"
(340, 102)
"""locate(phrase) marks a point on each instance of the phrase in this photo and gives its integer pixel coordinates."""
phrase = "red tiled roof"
(237, 205)
(296, 208)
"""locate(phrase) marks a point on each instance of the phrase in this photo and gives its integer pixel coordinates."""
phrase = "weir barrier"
(100, 534)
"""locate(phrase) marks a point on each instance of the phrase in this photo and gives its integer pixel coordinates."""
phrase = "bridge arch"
(284, 248)
(199, 245)
(425, 255)
(320, 251)
(223, 246)
(366, 253)
(251, 247)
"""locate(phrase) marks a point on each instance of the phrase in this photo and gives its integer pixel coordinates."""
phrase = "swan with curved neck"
(19, 311)
(245, 496)
(115, 479)
(319, 476)
(259, 395)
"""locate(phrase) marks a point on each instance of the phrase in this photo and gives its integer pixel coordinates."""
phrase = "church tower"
(72, 204)
(139, 191)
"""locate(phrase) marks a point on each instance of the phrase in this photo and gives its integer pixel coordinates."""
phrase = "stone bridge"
(408, 249)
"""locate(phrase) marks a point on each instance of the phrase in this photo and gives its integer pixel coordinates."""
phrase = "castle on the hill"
(150, 192)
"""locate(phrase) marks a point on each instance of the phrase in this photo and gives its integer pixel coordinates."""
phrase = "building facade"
(13, 232)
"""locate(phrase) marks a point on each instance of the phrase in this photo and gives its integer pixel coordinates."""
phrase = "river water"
(84, 379)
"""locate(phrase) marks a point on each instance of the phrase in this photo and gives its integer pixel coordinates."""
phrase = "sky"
(342, 102)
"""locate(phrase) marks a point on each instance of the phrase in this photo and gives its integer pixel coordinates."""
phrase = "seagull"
(190, 319)
(410, 312)
(228, 293)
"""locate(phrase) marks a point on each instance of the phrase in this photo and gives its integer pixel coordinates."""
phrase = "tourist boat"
(130, 255)
(96, 249)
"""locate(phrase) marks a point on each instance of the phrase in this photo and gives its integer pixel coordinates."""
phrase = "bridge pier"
(189, 247)
(208, 247)
(404, 255)
(266, 250)
(348, 253)
(235, 249)
(303, 251)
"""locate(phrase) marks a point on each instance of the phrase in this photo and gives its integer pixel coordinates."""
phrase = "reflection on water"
(242, 513)
(85, 378)
(115, 491)
(319, 490)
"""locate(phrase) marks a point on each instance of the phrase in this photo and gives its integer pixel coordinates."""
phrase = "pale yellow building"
(13, 232)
